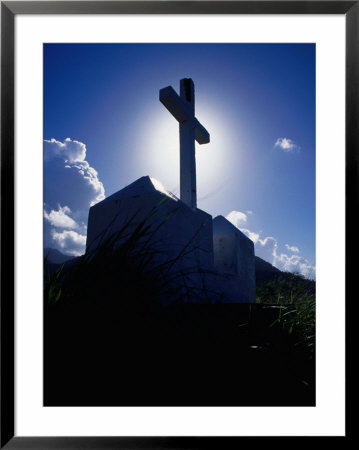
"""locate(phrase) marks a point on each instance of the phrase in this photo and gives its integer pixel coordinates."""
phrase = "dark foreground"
(182, 355)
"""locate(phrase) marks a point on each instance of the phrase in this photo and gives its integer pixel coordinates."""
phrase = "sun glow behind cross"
(160, 150)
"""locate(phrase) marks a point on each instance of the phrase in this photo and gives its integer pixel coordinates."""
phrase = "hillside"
(104, 327)
(52, 255)
(265, 272)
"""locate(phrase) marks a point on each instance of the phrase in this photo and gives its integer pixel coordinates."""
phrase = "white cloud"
(60, 218)
(295, 263)
(69, 150)
(237, 218)
(70, 241)
(251, 234)
(68, 180)
(292, 248)
(68, 177)
(267, 249)
(287, 145)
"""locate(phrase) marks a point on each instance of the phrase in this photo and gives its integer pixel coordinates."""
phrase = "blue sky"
(256, 100)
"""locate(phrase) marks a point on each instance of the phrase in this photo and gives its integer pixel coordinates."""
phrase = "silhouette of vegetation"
(297, 296)
(118, 331)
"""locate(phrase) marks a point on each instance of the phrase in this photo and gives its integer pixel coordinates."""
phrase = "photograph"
(179, 224)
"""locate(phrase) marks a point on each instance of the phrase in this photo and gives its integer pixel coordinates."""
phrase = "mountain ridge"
(265, 272)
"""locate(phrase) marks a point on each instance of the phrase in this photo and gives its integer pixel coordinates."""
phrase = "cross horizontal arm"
(175, 105)
(200, 133)
(180, 111)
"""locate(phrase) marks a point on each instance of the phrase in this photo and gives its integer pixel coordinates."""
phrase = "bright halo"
(160, 150)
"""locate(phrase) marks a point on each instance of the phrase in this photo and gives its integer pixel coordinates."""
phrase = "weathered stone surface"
(207, 261)
(178, 237)
(234, 258)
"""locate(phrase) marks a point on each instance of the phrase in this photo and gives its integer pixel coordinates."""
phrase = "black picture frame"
(9, 9)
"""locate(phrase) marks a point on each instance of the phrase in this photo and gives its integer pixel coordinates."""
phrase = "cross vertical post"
(188, 191)
(182, 108)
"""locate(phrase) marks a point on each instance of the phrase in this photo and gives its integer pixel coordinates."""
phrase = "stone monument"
(210, 261)
(234, 256)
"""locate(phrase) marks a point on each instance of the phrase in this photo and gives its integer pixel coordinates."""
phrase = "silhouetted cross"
(182, 108)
